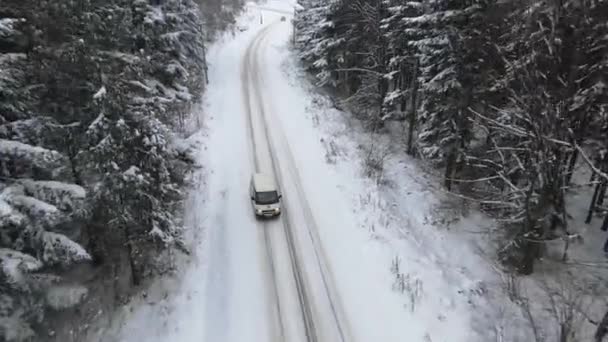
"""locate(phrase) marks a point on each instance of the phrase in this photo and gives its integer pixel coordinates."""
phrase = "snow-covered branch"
(590, 163)
(369, 71)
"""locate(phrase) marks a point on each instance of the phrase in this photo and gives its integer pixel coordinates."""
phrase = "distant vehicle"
(242, 28)
(283, 18)
(265, 196)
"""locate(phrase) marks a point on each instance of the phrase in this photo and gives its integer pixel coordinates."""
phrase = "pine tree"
(448, 41)
(113, 82)
(315, 39)
(504, 96)
(38, 219)
(539, 125)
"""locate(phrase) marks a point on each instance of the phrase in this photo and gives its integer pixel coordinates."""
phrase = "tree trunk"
(531, 250)
(564, 331)
(449, 168)
(529, 240)
(602, 193)
(602, 329)
(571, 165)
(592, 204)
(401, 85)
(593, 177)
(554, 222)
(294, 35)
(383, 90)
(604, 226)
(413, 109)
(135, 274)
(561, 216)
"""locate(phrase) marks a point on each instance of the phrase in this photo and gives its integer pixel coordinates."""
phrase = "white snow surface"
(21, 149)
(65, 296)
(73, 190)
(7, 26)
(59, 248)
(100, 93)
(401, 270)
(8, 214)
(32, 205)
(14, 263)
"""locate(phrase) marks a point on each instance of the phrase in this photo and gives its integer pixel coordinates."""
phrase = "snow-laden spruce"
(88, 171)
(35, 228)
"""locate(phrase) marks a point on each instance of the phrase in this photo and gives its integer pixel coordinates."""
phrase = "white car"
(265, 196)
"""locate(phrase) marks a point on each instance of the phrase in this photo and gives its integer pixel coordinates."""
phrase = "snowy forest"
(94, 97)
(506, 98)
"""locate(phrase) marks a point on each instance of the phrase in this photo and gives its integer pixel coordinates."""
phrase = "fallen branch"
(502, 203)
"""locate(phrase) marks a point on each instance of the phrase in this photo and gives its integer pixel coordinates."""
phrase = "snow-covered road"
(255, 280)
(322, 271)
(294, 238)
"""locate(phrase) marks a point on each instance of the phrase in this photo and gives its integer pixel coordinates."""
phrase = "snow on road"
(360, 267)
(320, 304)
(345, 231)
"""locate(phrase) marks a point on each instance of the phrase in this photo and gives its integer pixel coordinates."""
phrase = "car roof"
(263, 182)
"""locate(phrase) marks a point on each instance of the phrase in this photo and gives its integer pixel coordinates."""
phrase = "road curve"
(293, 318)
(317, 313)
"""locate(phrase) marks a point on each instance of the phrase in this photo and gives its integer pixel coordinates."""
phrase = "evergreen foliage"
(506, 97)
(93, 95)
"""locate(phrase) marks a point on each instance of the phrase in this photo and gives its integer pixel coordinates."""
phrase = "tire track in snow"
(319, 253)
(245, 70)
(285, 239)
(217, 305)
(303, 295)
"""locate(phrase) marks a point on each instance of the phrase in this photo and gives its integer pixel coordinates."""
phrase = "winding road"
(305, 304)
